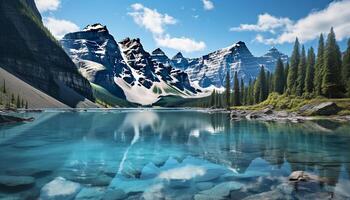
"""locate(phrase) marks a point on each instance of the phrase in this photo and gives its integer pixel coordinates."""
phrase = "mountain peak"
(275, 53)
(95, 27)
(158, 52)
(178, 56)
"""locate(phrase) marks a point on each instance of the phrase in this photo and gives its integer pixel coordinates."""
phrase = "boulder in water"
(60, 189)
(15, 183)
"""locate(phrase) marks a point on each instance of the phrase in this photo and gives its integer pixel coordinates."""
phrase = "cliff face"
(29, 51)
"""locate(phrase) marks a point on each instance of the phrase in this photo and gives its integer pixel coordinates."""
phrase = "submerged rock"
(16, 182)
(90, 194)
(204, 185)
(219, 191)
(149, 171)
(114, 195)
(271, 195)
(210, 174)
(60, 189)
(34, 172)
(298, 176)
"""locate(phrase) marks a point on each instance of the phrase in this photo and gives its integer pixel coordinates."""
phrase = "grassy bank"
(294, 103)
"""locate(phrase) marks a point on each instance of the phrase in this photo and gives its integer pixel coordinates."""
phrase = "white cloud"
(336, 15)
(150, 19)
(266, 22)
(47, 5)
(181, 44)
(208, 5)
(156, 23)
(60, 27)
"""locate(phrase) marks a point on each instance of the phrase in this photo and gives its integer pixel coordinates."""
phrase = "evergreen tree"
(331, 80)
(263, 82)
(293, 68)
(309, 79)
(236, 95)
(286, 71)
(4, 87)
(228, 90)
(279, 77)
(246, 96)
(346, 69)
(268, 82)
(260, 88)
(18, 102)
(242, 92)
(212, 99)
(250, 99)
(301, 73)
(12, 98)
(319, 67)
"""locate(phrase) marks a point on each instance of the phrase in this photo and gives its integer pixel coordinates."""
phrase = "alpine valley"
(125, 72)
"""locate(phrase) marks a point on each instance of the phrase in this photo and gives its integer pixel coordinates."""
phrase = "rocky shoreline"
(327, 111)
(8, 119)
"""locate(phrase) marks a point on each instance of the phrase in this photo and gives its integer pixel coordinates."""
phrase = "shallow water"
(173, 154)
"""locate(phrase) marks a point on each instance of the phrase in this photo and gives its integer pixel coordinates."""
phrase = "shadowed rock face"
(31, 5)
(30, 52)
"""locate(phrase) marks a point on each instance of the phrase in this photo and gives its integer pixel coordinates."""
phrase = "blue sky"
(197, 27)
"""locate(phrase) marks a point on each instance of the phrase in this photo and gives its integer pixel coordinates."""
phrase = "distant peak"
(158, 51)
(273, 49)
(178, 55)
(240, 43)
(95, 27)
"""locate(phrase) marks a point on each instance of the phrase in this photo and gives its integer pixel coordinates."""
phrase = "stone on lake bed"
(90, 194)
(130, 185)
(34, 172)
(219, 191)
(114, 195)
(297, 176)
(210, 174)
(16, 182)
(270, 195)
(60, 189)
(204, 185)
(30, 144)
(97, 180)
(179, 183)
(149, 171)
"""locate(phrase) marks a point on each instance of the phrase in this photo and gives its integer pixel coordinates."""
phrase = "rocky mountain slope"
(125, 69)
(211, 69)
(29, 52)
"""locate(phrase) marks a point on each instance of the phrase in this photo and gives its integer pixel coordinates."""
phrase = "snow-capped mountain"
(211, 69)
(125, 69)
(179, 61)
(97, 56)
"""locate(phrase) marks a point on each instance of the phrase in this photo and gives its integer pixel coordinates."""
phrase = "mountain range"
(126, 70)
(91, 66)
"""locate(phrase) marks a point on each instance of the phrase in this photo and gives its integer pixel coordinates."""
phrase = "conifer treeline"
(8, 100)
(307, 75)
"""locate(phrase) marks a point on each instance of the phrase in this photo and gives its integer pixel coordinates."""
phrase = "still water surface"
(170, 154)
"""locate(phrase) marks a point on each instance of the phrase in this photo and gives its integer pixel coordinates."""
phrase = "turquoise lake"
(171, 154)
